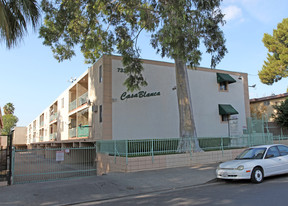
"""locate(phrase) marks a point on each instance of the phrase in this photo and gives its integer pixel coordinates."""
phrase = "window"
(283, 150)
(225, 110)
(266, 103)
(100, 113)
(225, 117)
(272, 152)
(223, 86)
(100, 74)
(223, 80)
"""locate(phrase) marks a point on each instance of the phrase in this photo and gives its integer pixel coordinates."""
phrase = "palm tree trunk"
(188, 136)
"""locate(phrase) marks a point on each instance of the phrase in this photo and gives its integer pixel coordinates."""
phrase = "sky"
(31, 78)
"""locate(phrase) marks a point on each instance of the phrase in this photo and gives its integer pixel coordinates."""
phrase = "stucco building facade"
(98, 107)
(264, 105)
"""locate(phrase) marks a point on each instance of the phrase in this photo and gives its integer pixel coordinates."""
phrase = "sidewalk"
(107, 186)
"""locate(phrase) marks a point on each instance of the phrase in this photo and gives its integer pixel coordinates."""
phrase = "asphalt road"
(272, 192)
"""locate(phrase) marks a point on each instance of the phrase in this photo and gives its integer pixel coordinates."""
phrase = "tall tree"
(9, 119)
(276, 66)
(14, 17)
(176, 27)
(9, 108)
(281, 115)
(9, 122)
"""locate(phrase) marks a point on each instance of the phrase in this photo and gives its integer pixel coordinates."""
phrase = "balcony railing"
(41, 124)
(52, 136)
(73, 105)
(78, 102)
(72, 132)
(82, 131)
(82, 99)
(41, 139)
(53, 116)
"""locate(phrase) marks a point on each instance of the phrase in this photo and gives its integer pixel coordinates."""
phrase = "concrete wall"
(157, 116)
(106, 163)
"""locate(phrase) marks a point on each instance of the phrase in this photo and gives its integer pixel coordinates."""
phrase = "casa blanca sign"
(140, 94)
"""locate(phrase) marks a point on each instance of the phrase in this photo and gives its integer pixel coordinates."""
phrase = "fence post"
(190, 143)
(152, 151)
(12, 166)
(126, 151)
(222, 148)
(115, 150)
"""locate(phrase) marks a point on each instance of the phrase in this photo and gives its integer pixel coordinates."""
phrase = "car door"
(272, 164)
(284, 157)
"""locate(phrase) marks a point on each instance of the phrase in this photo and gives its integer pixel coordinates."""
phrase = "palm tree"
(9, 108)
(14, 17)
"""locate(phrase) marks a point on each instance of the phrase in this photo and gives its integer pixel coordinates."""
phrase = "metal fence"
(36, 165)
(3, 164)
(151, 147)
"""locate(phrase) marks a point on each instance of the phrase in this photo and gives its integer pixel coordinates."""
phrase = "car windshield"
(252, 153)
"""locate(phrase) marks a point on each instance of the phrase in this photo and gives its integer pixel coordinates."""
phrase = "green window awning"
(221, 77)
(226, 109)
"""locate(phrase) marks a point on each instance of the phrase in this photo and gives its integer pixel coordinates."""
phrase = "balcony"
(78, 102)
(53, 116)
(82, 99)
(83, 131)
(72, 132)
(41, 139)
(73, 105)
(41, 124)
(53, 136)
(79, 131)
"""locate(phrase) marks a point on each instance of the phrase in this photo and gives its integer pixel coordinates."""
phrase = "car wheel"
(257, 175)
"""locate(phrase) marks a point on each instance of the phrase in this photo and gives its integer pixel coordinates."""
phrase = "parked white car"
(256, 163)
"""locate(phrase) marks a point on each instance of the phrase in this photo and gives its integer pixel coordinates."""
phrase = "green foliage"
(281, 116)
(99, 27)
(276, 65)
(104, 27)
(9, 108)
(9, 121)
(14, 17)
(183, 24)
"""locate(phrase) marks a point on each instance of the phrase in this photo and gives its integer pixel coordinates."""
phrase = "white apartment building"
(98, 107)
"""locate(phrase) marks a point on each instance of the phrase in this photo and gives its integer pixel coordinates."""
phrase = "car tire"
(257, 175)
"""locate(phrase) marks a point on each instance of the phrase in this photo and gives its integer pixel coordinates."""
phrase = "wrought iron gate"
(5, 157)
(38, 165)
(3, 164)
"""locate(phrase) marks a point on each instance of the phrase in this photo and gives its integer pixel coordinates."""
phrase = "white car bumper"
(233, 174)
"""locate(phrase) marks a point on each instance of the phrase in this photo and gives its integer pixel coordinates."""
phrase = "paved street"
(176, 186)
(273, 191)
(108, 186)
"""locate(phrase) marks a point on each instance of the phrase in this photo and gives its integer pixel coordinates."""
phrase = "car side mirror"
(269, 156)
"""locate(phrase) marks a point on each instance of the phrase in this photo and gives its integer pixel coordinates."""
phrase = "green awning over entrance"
(227, 109)
(221, 77)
